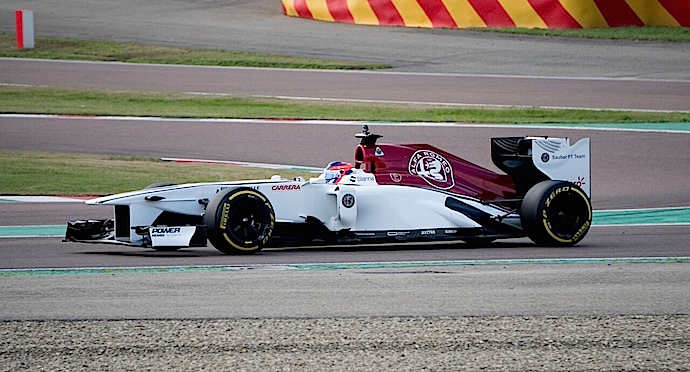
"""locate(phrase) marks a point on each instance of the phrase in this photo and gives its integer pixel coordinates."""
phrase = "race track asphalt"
(630, 170)
(439, 89)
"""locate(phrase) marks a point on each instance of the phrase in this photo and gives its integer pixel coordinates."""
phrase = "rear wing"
(531, 160)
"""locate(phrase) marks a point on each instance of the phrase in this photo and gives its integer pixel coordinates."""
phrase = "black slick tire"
(239, 221)
(556, 213)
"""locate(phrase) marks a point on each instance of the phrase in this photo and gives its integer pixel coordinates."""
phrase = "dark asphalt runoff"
(441, 66)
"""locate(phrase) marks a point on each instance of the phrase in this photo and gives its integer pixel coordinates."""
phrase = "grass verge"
(110, 51)
(71, 101)
(38, 173)
(668, 34)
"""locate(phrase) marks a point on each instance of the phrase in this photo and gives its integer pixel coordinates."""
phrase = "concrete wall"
(495, 13)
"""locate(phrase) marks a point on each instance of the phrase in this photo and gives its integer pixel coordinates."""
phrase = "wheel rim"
(567, 213)
(248, 219)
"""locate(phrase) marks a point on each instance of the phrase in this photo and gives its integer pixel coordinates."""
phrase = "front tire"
(556, 213)
(239, 221)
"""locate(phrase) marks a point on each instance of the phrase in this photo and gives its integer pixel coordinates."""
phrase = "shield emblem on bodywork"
(433, 168)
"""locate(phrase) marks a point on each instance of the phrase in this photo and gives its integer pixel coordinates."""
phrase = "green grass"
(71, 101)
(666, 34)
(37, 173)
(94, 50)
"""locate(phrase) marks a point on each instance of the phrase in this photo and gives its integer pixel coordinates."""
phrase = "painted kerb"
(495, 13)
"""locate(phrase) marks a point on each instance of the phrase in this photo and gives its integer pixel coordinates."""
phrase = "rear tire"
(239, 221)
(556, 213)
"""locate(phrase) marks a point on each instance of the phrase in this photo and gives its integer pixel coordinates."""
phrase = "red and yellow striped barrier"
(496, 13)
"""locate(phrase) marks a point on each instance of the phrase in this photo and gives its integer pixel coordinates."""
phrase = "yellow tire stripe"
(227, 238)
(262, 198)
(589, 208)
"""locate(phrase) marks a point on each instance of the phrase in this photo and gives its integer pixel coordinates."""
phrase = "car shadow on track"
(475, 250)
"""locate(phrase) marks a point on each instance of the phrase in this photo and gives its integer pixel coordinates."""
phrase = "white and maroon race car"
(412, 192)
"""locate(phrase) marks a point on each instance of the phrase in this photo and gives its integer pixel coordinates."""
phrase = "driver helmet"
(336, 170)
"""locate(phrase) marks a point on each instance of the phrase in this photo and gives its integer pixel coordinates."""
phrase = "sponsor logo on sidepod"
(396, 177)
(432, 168)
(354, 179)
(285, 187)
(348, 200)
(546, 157)
(165, 230)
(159, 232)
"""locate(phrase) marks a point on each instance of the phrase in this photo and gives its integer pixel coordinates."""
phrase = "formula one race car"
(412, 192)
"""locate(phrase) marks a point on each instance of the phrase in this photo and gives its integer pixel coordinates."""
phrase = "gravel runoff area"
(660, 343)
